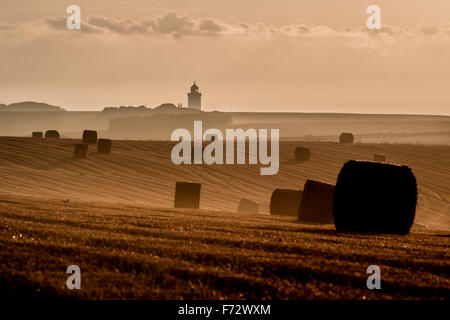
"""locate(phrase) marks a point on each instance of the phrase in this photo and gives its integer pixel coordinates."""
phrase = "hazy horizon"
(239, 110)
(257, 56)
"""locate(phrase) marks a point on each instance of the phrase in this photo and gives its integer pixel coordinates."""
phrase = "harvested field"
(113, 216)
(132, 252)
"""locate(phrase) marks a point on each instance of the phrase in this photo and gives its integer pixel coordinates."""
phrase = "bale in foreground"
(302, 153)
(317, 203)
(248, 206)
(89, 136)
(80, 150)
(285, 202)
(51, 134)
(37, 134)
(187, 195)
(104, 146)
(346, 137)
(375, 197)
(377, 157)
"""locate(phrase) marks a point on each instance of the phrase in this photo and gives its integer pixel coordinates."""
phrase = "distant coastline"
(30, 106)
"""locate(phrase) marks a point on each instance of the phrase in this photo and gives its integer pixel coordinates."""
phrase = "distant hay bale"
(317, 203)
(375, 197)
(346, 137)
(80, 150)
(89, 136)
(285, 202)
(302, 153)
(247, 206)
(37, 134)
(51, 134)
(187, 195)
(379, 157)
(104, 146)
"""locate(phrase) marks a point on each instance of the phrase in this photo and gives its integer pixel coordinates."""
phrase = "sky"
(246, 55)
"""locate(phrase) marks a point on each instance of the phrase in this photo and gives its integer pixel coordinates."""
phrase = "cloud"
(446, 28)
(123, 27)
(56, 23)
(178, 25)
(170, 23)
(6, 27)
(173, 22)
(212, 25)
(428, 29)
(59, 24)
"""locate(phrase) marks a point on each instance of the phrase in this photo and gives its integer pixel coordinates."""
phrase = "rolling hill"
(113, 216)
(142, 172)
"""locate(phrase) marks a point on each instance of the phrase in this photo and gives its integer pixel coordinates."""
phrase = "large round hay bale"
(375, 197)
(248, 206)
(302, 153)
(285, 202)
(37, 134)
(377, 157)
(89, 136)
(346, 137)
(80, 150)
(51, 134)
(104, 146)
(187, 195)
(317, 203)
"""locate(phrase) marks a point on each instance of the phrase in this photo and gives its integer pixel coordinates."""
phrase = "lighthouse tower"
(195, 98)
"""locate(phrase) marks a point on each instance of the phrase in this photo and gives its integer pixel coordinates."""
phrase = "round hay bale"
(316, 205)
(346, 137)
(51, 134)
(104, 146)
(247, 206)
(89, 136)
(375, 198)
(80, 151)
(37, 134)
(187, 195)
(285, 202)
(377, 157)
(302, 153)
